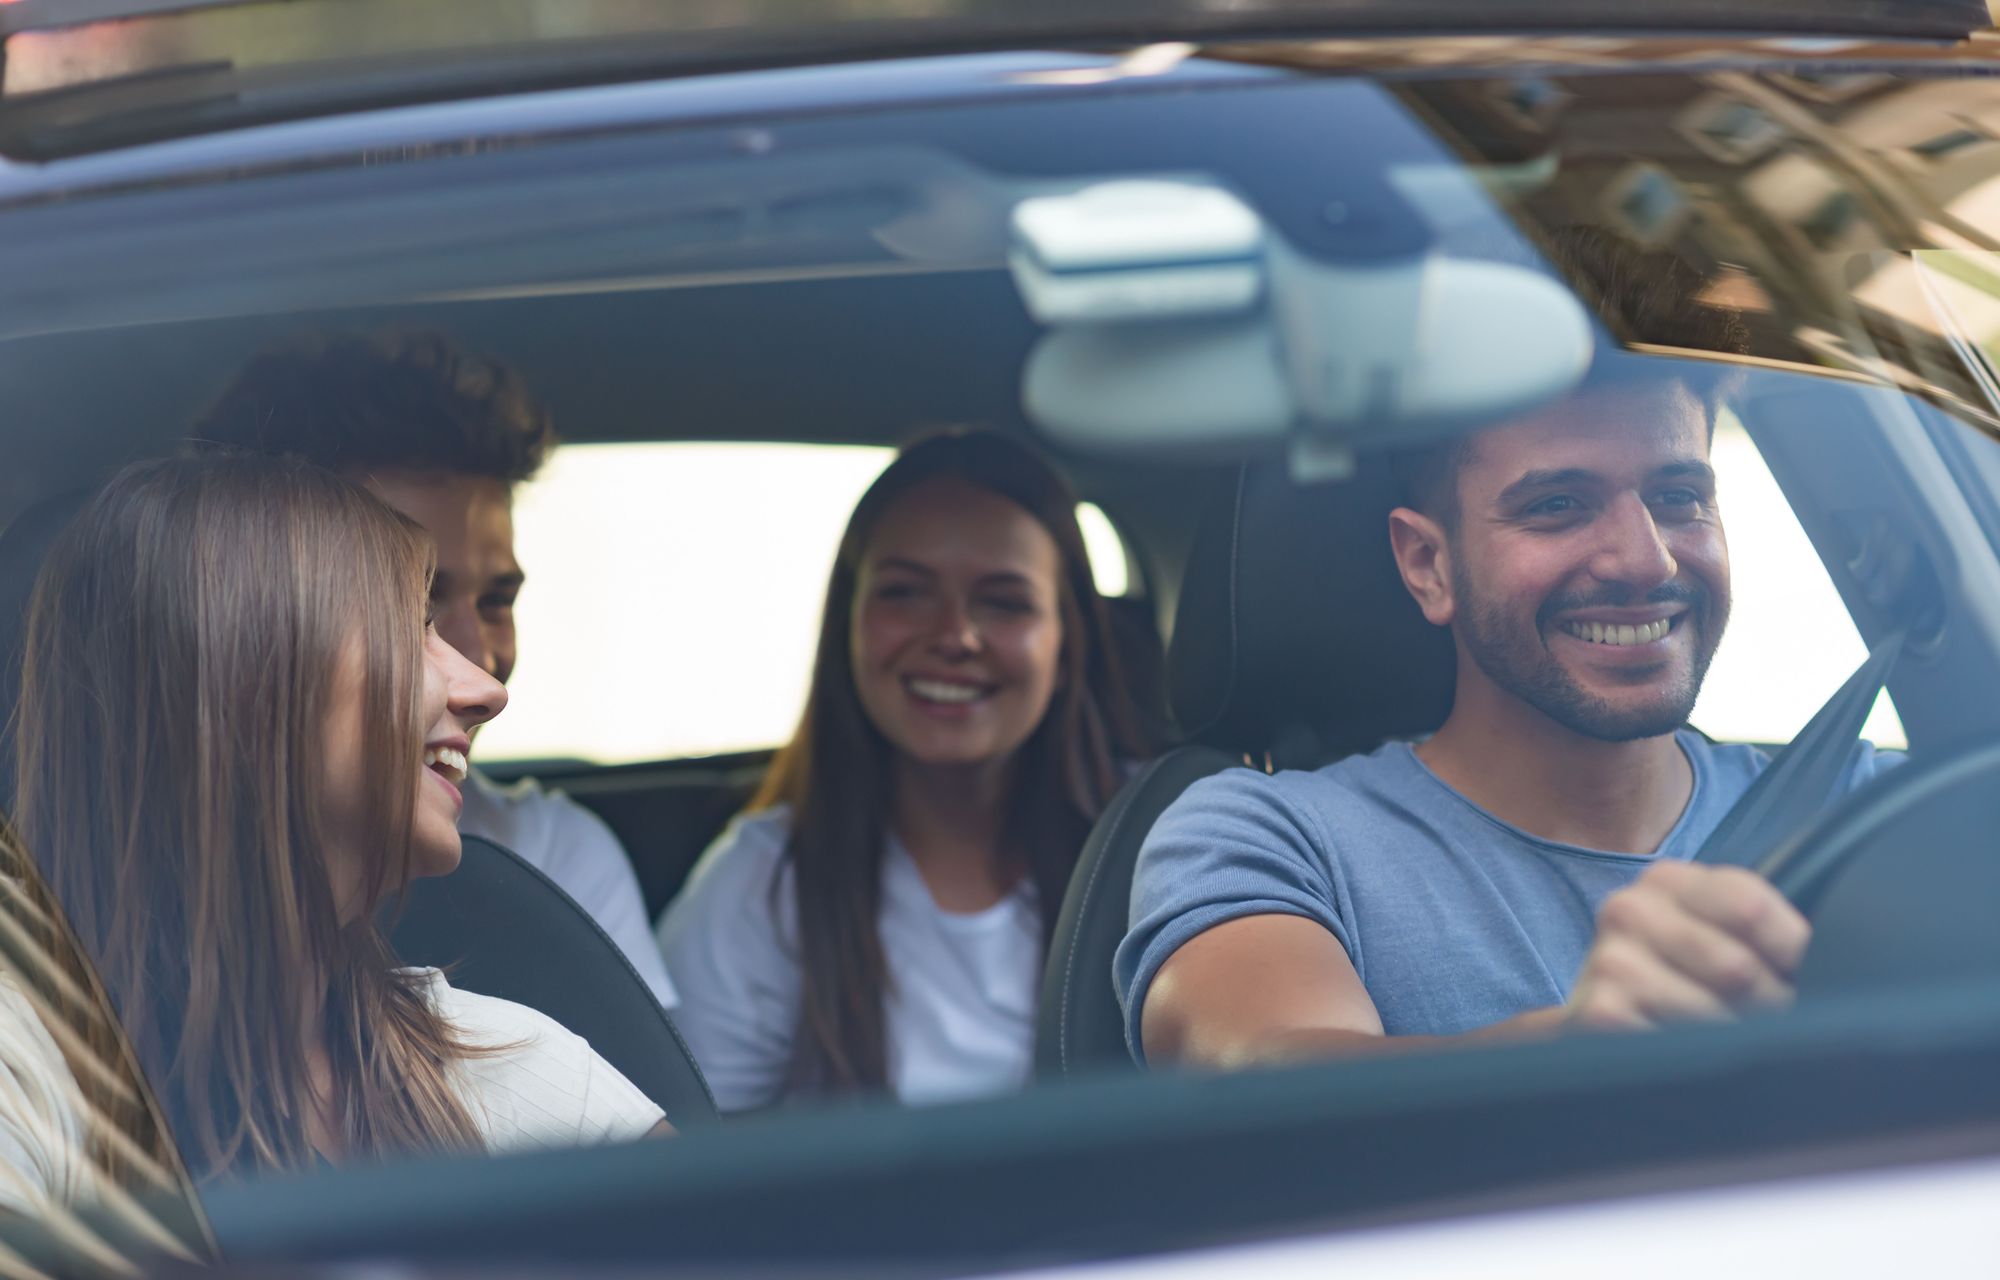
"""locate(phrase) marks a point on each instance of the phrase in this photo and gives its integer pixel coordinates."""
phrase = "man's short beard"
(1522, 665)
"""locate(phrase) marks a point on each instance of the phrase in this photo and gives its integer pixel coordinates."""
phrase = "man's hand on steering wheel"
(1688, 942)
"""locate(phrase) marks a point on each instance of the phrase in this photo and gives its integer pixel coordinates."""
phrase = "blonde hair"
(182, 644)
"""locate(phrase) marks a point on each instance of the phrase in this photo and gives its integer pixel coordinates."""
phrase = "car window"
(1790, 641)
(605, 533)
(707, 564)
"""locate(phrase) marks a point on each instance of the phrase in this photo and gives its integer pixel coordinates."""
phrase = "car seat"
(1295, 643)
(1135, 634)
(500, 926)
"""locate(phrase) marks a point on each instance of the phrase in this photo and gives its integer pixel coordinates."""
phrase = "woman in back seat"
(877, 921)
(239, 734)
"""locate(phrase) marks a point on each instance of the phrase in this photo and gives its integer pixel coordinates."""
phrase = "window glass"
(674, 595)
(1109, 563)
(1790, 642)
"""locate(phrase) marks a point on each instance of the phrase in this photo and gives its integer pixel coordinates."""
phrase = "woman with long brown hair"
(877, 921)
(238, 736)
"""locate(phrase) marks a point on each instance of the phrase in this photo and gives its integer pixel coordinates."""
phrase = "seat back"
(501, 928)
(664, 814)
(1135, 634)
(1080, 1029)
(1295, 635)
(1295, 643)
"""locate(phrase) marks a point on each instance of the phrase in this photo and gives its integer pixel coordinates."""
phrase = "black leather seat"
(1135, 631)
(497, 924)
(501, 928)
(1295, 643)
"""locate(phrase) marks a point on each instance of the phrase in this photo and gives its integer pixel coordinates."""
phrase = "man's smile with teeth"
(447, 761)
(1613, 633)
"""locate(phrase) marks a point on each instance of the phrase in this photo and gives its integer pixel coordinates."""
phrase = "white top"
(960, 1014)
(550, 1089)
(571, 846)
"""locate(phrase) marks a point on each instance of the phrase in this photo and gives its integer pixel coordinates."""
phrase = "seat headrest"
(24, 545)
(1295, 634)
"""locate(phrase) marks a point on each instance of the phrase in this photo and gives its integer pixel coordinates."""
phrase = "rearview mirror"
(1214, 335)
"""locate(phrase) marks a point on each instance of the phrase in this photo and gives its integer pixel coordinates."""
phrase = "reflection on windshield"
(1802, 198)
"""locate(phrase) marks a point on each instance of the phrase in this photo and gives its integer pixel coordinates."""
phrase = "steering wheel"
(1901, 879)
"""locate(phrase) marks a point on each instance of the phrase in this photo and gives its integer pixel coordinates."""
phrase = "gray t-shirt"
(1454, 919)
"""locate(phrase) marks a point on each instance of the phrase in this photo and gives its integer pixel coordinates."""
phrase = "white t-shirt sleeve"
(732, 945)
(606, 886)
(541, 1085)
(573, 847)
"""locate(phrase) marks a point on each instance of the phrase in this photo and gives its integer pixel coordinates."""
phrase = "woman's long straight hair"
(182, 648)
(836, 774)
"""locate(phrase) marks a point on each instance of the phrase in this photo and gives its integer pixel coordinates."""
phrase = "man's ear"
(1423, 557)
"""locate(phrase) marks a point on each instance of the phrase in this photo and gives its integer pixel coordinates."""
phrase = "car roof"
(102, 248)
(109, 73)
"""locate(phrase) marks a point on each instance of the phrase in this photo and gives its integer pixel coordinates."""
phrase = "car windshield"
(555, 446)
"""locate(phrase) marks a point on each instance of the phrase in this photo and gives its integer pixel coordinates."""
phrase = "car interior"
(844, 276)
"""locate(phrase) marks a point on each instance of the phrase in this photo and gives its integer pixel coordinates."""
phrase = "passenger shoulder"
(1230, 788)
(530, 1081)
(752, 844)
(737, 875)
(483, 788)
(1236, 801)
(524, 806)
(1733, 763)
(1311, 788)
(488, 1022)
(1870, 760)
(759, 827)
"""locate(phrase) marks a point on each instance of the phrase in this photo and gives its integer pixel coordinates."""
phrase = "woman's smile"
(957, 627)
(949, 697)
(446, 764)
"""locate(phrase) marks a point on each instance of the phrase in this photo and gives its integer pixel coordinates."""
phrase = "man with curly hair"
(444, 438)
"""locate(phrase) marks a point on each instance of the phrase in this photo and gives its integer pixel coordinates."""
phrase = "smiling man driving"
(1525, 869)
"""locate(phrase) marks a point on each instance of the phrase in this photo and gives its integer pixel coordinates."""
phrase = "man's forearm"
(1321, 1044)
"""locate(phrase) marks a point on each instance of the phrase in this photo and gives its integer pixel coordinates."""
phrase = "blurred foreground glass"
(89, 1179)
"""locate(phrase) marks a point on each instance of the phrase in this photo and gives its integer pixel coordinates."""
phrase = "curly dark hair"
(405, 402)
